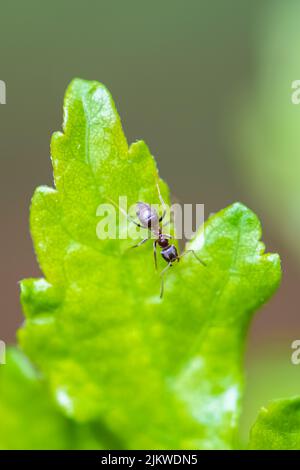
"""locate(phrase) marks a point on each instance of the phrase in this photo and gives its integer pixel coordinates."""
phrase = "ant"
(150, 220)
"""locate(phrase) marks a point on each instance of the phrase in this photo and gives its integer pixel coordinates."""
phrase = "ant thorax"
(162, 240)
(148, 216)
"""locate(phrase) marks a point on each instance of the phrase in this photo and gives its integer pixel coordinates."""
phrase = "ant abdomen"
(147, 216)
(170, 254)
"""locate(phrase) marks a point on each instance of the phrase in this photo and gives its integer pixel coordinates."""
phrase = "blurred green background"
(207, 84)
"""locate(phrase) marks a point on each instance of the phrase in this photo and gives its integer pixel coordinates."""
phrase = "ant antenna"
(164, 205)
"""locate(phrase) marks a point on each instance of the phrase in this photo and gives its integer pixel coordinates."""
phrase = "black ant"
(149, 219)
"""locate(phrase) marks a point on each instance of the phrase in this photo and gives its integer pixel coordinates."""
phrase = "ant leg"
(136, 223)
(132, 219)
(154, 253)
(171, 220)
(163, 216)
(127, 215)
(140, 243)
(194, 253)
(162, 279)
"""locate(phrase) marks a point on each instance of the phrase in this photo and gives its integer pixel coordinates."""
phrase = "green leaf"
(277, 426)
(158, 373)
(29, 418)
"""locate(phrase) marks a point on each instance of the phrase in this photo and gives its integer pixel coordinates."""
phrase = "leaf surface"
(277, 426)
(158, 373)
(29, 418)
